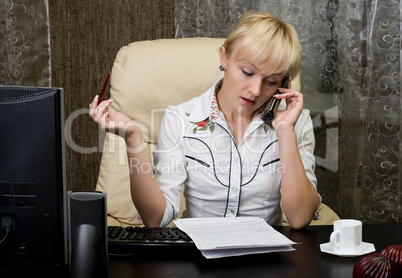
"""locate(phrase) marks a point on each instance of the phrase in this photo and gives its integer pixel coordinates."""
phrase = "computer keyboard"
(131, 240)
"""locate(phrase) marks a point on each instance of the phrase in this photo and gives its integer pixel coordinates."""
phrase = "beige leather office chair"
(148, 76)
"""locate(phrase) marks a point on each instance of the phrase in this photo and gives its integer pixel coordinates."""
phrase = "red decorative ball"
(394, 252)
(375, 265)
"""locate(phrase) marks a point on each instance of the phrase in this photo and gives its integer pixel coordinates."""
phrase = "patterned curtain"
(351, 81)
(24, 43)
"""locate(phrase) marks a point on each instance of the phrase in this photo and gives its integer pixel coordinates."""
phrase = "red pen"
(104, 88)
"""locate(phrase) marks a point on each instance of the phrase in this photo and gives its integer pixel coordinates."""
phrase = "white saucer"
(366, 248)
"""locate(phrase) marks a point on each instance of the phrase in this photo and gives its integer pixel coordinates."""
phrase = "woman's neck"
(237, 121)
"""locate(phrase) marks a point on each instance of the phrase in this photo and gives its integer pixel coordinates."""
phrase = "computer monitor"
(33, 222)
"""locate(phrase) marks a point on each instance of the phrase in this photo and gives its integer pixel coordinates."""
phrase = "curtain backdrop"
(351, 81)
(24, 43)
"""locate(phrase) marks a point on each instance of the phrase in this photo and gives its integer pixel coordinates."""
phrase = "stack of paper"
(223, 237)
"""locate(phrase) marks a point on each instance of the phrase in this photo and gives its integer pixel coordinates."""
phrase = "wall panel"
(85, 37)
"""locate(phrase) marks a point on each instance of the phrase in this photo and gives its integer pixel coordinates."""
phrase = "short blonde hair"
(260, 37)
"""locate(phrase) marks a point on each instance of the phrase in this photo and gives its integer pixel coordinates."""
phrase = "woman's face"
(248, 86)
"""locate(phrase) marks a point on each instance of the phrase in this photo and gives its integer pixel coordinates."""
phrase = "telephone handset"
(269, 110)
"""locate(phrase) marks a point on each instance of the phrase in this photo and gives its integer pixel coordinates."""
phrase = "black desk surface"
(306, 261)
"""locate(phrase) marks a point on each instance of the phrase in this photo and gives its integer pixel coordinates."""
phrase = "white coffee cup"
(347, 236)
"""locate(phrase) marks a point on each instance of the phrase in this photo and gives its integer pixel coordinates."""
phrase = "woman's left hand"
(294, 105)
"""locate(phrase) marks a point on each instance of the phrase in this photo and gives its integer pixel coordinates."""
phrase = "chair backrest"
(148, 76)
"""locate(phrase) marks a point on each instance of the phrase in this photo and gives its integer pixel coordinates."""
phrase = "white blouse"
(196, 148)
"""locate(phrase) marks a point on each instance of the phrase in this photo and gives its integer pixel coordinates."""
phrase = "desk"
(306, 261)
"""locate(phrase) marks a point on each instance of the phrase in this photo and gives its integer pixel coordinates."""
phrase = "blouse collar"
(207, 108)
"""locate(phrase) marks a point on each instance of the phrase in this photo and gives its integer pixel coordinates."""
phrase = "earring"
(221, 68)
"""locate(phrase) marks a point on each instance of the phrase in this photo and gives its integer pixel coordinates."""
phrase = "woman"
(231, 161)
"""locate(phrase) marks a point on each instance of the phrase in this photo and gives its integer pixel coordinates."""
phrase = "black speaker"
(87, 234)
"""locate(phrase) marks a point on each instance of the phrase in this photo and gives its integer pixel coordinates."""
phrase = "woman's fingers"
(111, 120)
(93, 105)
(294, 106)
(292, 97)
(285, 93)
(97, 112)
(103, 121)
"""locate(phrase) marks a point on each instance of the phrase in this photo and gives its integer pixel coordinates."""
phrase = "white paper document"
(223, 237)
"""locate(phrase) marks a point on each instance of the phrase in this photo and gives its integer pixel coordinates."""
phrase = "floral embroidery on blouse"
(209, 122)
(206, 124)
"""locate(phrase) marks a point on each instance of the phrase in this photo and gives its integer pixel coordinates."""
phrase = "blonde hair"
(260, 37)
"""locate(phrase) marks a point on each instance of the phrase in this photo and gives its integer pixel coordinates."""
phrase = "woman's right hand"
(111, 120)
